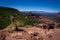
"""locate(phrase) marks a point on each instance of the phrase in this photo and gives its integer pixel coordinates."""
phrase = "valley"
(17, 25)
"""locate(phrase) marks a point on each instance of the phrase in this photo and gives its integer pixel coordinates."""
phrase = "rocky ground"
(31, 33)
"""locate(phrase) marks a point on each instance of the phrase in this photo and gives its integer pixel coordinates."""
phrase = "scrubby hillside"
(11, 15)
(6, 16)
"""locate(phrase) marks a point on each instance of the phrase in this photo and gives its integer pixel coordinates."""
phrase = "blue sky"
(33, 5)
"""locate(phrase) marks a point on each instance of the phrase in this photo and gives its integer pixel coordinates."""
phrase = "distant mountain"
(48, 14)
(57, 17)
(40, 12)
(51, 15)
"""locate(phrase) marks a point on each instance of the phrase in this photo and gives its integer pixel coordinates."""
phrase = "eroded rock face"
(2, 37)
(31, 33)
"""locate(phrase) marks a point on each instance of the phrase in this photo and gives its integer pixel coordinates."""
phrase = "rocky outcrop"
(31, 33)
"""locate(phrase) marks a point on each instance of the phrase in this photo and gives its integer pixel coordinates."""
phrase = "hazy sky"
(33, 5)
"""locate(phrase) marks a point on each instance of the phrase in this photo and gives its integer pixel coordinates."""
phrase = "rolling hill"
(13, 16)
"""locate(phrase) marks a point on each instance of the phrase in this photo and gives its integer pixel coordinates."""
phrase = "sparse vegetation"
(9, 15)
